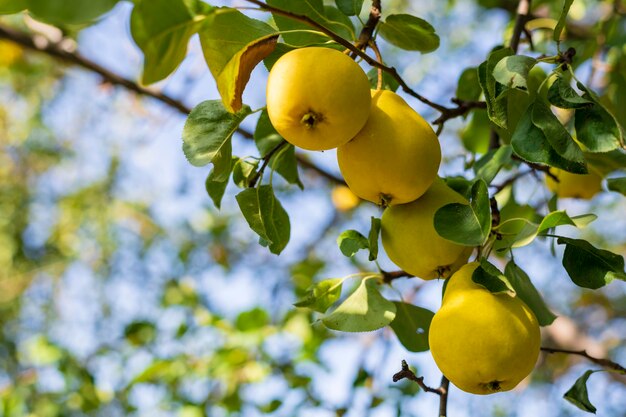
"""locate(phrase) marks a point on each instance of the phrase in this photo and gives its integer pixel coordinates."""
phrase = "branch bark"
(356, 51)
(368, 29)
(56, 51)
(523, 11)
(605, 363)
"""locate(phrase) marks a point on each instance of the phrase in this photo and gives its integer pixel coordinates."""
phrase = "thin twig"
(523, 11)
(405, 372)
(606, 363)
(306, 163)
(379, 57)
(537, 167)
(443, 398)
(368, 29)
(392, 275)
(266, 160)
(441, 391)
(509, 181)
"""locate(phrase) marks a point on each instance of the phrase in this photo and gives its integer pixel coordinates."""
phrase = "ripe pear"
(343, 199)
(395, 157)
(583, 186)
(411, 241)
(482, 342)
(317, 98)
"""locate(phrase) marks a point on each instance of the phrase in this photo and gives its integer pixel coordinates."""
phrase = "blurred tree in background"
(125, 291)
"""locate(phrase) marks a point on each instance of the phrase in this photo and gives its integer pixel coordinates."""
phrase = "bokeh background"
(124, 292)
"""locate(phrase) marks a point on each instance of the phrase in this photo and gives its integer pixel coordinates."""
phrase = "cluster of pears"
(319, 99)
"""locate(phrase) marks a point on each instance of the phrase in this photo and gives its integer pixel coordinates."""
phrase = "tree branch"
(405, 372)
(56, 51)
(606, 363)
(266, 160)
(71, 57)
(523, 10)
(356, 51)
(368, 30)
(446, 112)
(441, 391)
(443, 398)
(392, 275)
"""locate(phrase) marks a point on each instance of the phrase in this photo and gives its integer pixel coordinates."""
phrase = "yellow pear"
(395, 157)
(482, 342)
(570, 185)
(343, 199)
(317, 98)
(411, 241)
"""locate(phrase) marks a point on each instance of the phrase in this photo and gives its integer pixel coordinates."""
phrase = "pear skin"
(483, 343)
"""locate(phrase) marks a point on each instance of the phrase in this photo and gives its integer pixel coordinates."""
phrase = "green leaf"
(216, 187)
(285, 163)
(588, 266)
(351, 241)
(476, 134)
(496, 106)
(464, 224)
(252, 320)
(558, 137)
(597, 129)
(163, 370)
(350, 7)
(12, 6)
(461, 185)
(519, 232)
(617, 184)
(468, 86)
(207, 134)
(530, 143)
(339, 23)
(68, 12)
(373, 238)
(561, 94)
(320, 296)
(512, 71)
(605, 163)
(578, 394)
(140, 332)
(527, 292)
(389, 83)
(561, 23)
(489, 165)
(269, 407)
(162, 29)
(411, 325)
(409, 32)
(233, 44)
(314, 9)
(243, 171)
(492, 279)
(265, 216)
(364, 310)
